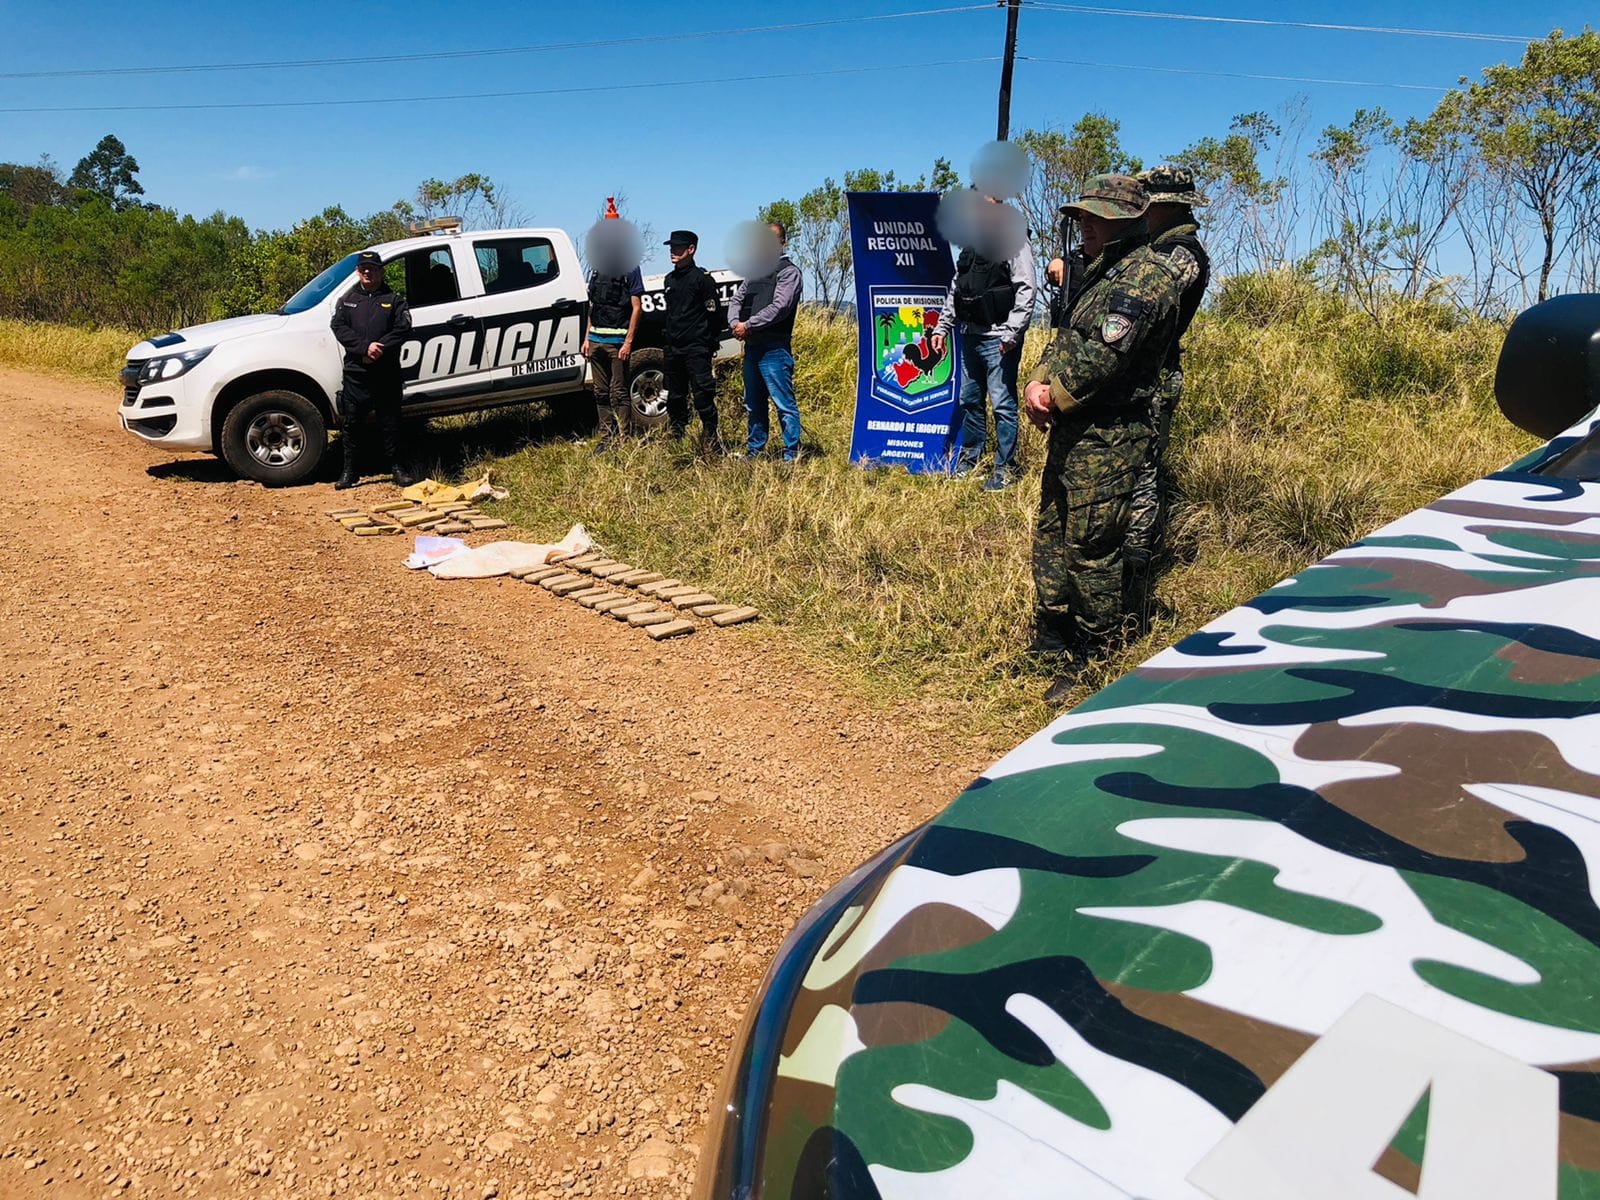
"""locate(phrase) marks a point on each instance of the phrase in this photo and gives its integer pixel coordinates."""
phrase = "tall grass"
(1304, 425)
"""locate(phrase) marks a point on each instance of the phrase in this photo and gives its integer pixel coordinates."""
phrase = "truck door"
(533, 313)
(439, 358)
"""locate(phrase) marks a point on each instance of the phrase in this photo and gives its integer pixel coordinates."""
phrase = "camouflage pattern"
(1153, 492)
(1103, 369)
(1152, 489)
(1372, 792)
(1171, 184)
(1114, 197)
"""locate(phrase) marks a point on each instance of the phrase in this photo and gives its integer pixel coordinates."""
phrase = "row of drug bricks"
(399, 516)
(644, 599)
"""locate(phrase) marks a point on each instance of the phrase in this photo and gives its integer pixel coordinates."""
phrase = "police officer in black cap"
(694, 327)
(370, 321)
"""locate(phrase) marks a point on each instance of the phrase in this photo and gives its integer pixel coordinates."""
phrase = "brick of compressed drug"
(586, 559)
(623, 611)
(561, 580)
(451, 527)
(609, 570)
(340, 514)
(654, 617)
(692, 599)
(671, 593)
(670, 629)
(539, 574)
(651, 589)
(368, 530)
(594, 599)
(451, 506)
(737, 617)
(488, 523)
(389, 506)
(615, 602)
(639, 578)
(711, 610)
(590, 588)
(579, 584)
(422, 516)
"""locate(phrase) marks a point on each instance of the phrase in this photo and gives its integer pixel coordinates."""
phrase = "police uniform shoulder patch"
(1186, 265)
(1124, 311)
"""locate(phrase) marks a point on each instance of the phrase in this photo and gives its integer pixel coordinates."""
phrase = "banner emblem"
(910, 373)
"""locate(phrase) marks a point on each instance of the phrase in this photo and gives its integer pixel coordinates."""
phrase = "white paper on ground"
(430, 550)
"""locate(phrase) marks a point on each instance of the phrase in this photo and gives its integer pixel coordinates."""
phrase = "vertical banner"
(905, 390)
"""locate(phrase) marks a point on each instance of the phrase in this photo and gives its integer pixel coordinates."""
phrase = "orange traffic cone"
(611, 213)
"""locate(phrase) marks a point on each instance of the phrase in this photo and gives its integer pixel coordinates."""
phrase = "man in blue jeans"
(993, 300)
(761, 315)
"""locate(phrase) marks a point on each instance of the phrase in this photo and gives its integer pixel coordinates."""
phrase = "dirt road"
(322, 877)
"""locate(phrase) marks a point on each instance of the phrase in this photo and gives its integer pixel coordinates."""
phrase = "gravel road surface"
(322, 877)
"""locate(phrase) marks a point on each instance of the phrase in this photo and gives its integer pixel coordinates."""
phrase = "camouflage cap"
(1168, 184)
(1114, 197)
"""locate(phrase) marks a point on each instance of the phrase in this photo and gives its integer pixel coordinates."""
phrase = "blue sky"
(701, 156)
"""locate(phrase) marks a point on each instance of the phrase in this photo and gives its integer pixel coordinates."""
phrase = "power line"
(1095, 10)
(1080, 62)
(489, 51)
(564, 91)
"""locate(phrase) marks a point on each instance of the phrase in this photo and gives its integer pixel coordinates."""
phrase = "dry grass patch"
(65, 349)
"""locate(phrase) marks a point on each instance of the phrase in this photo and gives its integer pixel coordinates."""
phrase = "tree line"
(1488, 203)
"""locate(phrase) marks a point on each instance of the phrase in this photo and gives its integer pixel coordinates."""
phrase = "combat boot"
(349, 473)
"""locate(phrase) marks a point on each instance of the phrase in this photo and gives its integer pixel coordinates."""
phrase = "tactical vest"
(610, 306)
(984, 290)
(1195, 292)
(758, 294)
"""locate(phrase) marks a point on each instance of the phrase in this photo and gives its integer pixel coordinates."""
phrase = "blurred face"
(679, 253)
(777, 232)
(370, 274)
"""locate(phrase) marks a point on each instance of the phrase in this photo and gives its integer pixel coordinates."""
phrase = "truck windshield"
(317, 290)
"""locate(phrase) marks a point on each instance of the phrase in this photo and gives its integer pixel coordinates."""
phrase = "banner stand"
(905, 391)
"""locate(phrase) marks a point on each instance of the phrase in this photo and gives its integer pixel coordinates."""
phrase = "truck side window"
(429, 276)
(511, 264)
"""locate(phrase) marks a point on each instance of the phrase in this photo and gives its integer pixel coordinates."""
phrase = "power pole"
(1013, 7)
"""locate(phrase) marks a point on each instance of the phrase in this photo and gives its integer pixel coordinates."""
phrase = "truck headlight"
(172, 365)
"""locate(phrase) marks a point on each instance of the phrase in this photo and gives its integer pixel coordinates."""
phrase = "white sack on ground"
(499, 558)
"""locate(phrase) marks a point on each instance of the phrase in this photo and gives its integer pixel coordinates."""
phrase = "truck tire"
(276, 438)
(647, 389)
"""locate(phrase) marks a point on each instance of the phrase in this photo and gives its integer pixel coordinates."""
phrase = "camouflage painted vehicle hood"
(1365, 802)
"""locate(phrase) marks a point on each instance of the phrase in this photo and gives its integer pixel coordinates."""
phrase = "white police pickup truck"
(497, 317)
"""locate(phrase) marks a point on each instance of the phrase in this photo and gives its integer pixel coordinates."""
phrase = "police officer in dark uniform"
(693, 331)
(370, 321)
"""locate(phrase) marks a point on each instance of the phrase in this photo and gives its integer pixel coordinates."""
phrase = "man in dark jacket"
(761, 315)
(1175, 234)
(1093, 392)
(693, 330)
(370, 321)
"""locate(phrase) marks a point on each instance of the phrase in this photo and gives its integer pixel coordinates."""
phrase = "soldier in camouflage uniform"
(1175, 234)
(1093, 391)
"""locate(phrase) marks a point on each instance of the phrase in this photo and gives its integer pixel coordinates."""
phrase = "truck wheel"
(276, 438)
(647, 389)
